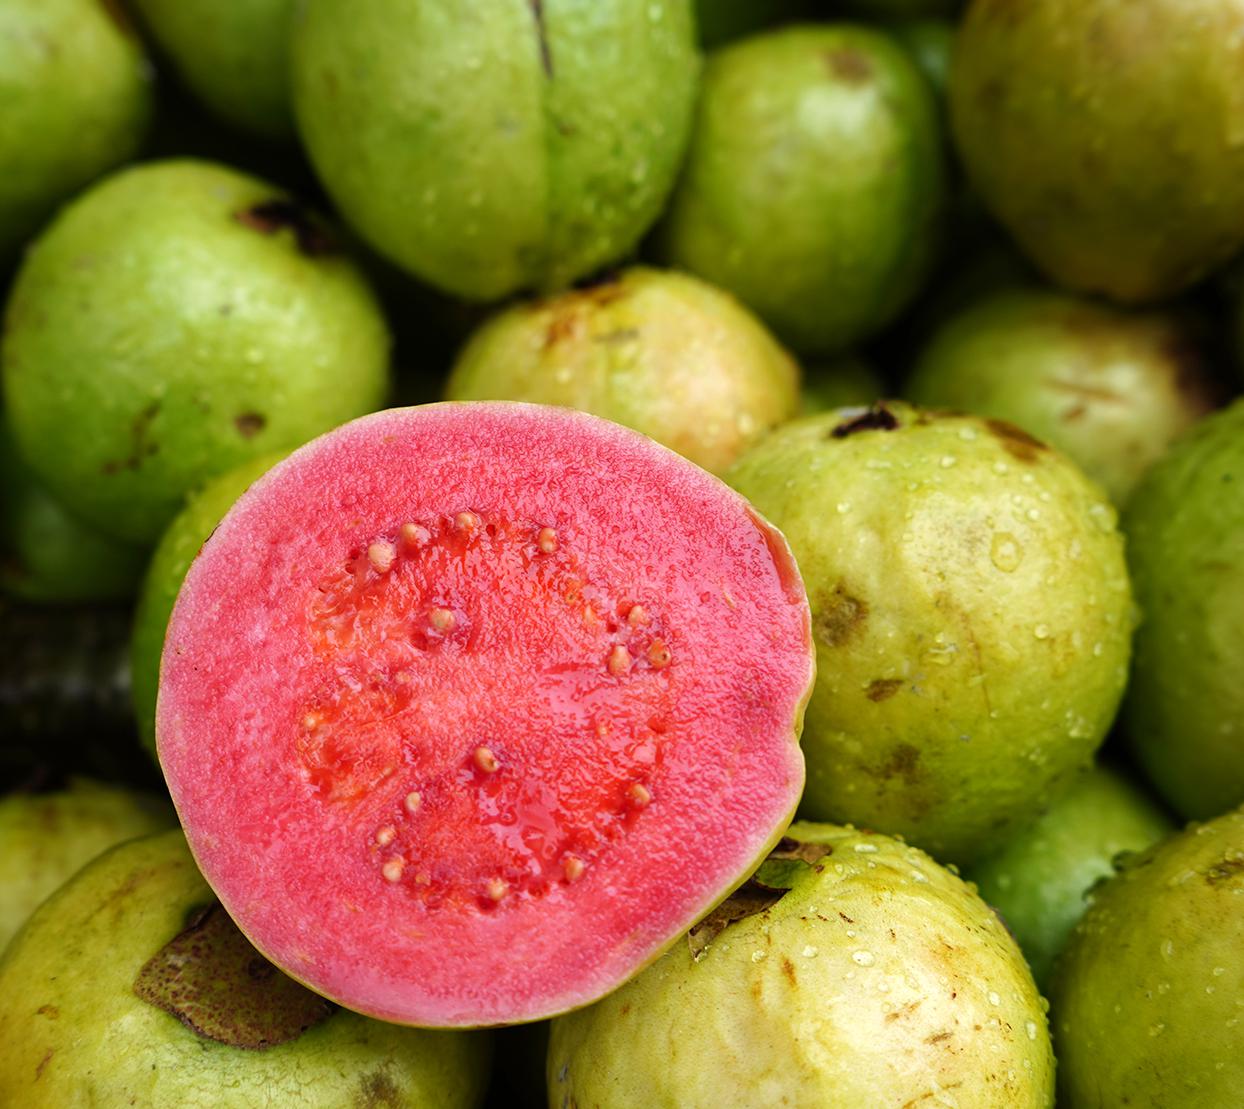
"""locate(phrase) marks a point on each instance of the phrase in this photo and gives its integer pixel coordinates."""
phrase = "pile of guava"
(644, 553)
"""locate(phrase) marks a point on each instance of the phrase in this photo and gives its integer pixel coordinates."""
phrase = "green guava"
(1148, 996)
(131, 986)
(842, 382)
(494, 148)
(1107, 137)
(1112, 389)
(1039, 880)
(930, 41)
(1185, 545)
(75, 98)
(177, 548)
(971, 612)
(719, 21)
(234, 56)
(662, 352)
(47, 555)
(174, 321)
(814, 185)
(851, 971)
(47, 837)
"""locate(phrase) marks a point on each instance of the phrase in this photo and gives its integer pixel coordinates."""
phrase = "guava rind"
(235, 56)
(75, 100)
(1185, 531)
(878, 978)
(846, 382)
(72, 1030)
(661, 352)
(631, 520)
(46, 837)
(972, 615)
(499, 148)
(1107, 137)
(1147, 995)
(1038, 881)
(177, 548)
(175, 320)
(823, 220)
(1111, 389)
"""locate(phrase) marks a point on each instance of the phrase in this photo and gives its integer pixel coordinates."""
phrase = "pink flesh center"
(491, 717)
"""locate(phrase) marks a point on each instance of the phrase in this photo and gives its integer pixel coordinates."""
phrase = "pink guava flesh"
(469, 709)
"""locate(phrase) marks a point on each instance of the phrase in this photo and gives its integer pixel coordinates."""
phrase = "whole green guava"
(851, 971)
(971, 612)
(174, 321)
(75, 99)
(1038, 881)
(662, 352)
(1108, 137)
(1112, 389)
(1184, 711)
(131, 986)
(1148, 996)
(492, 148)
(233, 55)
(814, 184)
(46, 837)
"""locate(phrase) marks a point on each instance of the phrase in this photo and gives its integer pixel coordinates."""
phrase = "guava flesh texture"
(469, 710)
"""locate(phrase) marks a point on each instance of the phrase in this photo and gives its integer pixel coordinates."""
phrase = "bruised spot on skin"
(903, 763)
(1015, 441)
(378, 1091)
(748, 900)
(875, 418)
(838, 615)
(849, 66)
(546, 53)
(788, 971)
(882, 689)
(270, 216)
(43, 1063)
(141, 446)
(249, 424)
(1224, 871)
(810, 853)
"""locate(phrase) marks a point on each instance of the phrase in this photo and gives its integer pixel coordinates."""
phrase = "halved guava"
(469, 710)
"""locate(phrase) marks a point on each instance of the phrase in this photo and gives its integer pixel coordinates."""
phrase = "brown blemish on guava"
(270, 216)
(905, 1011)
(618, 336)
(849, 66)
(788, 971)
(1084, 392)
(748, 900)
(938, 1037)
(876, 418)
(44, 1062)
(903, 763)
(49, 1011)
(212, 980)
(843, 916)
(933, 1093)
(1015, 441)
(810, 853)
(838, 615)
(250, 424)
(378, 1091)
(141, 448)
(1224, 871)
(882, 689)
(546, 52)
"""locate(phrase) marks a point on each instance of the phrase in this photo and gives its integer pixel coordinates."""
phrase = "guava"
(75, 99)
(1112, 389)
(971, 612)
(500, 670)
(177, 548)
(47, 555)
(494, 148)
(851, 971)
(930, 41)
(1107, 137)
(1184, 712)
(814, 184)
(662, 352)
(1038, 881)
(177, 319)
(844, 382)
(47, 837)
(131, 986)
(1148, 996)
(234, 56)
(719, 21)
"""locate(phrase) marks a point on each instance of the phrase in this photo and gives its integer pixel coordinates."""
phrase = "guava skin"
(1148, 996)
(1185, 549)
(75, 101)
(74, 1032)
(49, 556)
(174, 321)
(931, 43)
(1039, 880)
(971, 611)
(177, 548)
(1107, 136)
(234, 56)
(814, 185)
(45, 838)
(1111, 389)
(490, 149)
(661, 352)
(878, 978)
(843, 382)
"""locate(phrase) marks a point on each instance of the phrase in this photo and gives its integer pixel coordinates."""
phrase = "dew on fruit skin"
(994, 999)
(412, 801)
(863, 958)
(485, 760)
(392, 869)
(442, 619)
(1030, 1026)
(1041, 631)
(1005, 552)
(757, 956)
(546, 540)
(947, 461)
(866, 848)
(381, 556)
(386, 835)
(619, 662)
